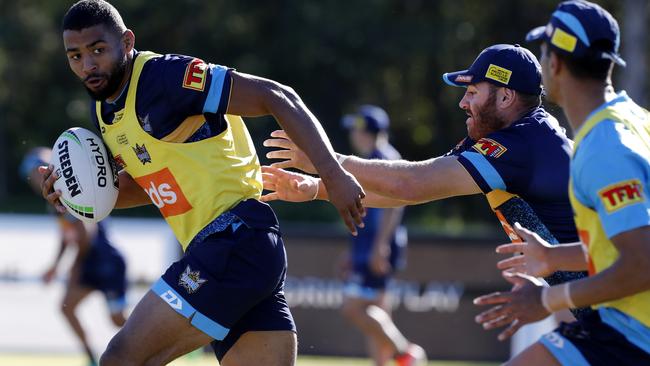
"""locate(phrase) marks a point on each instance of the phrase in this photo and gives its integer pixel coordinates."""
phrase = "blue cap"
(506, 65)
(368, 117)
(581, 29)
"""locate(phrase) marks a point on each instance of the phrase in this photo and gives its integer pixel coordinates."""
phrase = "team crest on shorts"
(192, 281)
(142, 154)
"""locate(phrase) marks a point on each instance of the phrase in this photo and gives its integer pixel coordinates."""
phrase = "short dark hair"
(529, 101)
(591, 66)
(526, 101)
(87, 13)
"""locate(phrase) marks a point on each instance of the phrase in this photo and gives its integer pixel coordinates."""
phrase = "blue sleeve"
(497, 162)
(196, 87)
(615, 184)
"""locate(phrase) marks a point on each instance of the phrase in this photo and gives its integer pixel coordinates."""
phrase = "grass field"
(201, 360)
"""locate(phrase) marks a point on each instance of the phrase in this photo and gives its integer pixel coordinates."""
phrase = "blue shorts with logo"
(602, 337)
(104, 269)
(232, 282)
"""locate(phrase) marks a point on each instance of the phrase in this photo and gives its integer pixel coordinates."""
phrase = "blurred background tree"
(335, 54)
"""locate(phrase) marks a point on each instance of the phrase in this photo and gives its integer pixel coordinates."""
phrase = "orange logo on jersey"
(164, 192)
(621, 194)
(489, 147)
(195, 75)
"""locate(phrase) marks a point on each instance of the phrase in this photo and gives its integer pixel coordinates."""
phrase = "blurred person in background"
(610, 175)
(97, 265)
(377, 252)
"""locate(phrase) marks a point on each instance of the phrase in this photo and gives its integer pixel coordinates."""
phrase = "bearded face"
(97, 55)
(106, 84)
(479, 103)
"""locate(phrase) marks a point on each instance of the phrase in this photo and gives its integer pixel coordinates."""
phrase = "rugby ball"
(86, 174)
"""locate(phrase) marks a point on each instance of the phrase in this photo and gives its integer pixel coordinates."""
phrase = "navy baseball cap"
(506, 65)
(581, 29)
(368, 117)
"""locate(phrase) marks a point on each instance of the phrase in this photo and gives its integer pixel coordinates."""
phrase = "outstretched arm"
(295, 187)
(529, 303)
(539, 258)
(253, 96)
(414, 182)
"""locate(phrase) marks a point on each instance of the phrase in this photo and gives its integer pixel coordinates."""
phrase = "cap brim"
(458, 78)
(616, 58)
(536, 34)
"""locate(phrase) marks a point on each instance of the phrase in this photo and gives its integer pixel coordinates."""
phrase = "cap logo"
(498, 73)
(359, 122)
(563, 40)
(464, 78)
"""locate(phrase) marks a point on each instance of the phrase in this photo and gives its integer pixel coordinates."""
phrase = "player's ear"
(555, 64)
(128, 40)
(505, 97)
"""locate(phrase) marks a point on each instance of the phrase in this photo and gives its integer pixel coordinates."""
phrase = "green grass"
(200, 360)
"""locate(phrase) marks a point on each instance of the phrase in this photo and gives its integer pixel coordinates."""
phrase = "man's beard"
(486, 119)
(113, 81)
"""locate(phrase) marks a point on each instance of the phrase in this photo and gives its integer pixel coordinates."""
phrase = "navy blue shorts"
(230, 283)
(104, 269)
(603, 337)
(364, 283)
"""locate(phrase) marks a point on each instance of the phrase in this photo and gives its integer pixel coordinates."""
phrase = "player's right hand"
(533, 258)
(288, 186)
(289, 151)
(47, 187)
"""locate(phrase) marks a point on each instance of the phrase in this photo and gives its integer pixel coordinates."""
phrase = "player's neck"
(582, 98)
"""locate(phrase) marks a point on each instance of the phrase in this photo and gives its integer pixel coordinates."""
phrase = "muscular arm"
(372, 199)
(415, 182)
(627, 276)
(131, 194)
(568, 257)
(253, 96)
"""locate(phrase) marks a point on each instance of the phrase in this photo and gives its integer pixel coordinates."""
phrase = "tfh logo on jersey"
(195, 75)
(191, 280)
(165, 192)
(621, 194)
(489, 147)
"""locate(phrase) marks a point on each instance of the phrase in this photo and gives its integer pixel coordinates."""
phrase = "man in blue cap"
(610, 170)
(378, 249)
(515, 153)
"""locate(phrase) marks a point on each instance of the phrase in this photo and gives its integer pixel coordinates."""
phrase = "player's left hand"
(533, 258)
(287, 150)
(345, 193)
(513, 309)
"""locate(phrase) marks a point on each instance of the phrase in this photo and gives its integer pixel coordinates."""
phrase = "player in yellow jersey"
(173, 125)
(610, 174)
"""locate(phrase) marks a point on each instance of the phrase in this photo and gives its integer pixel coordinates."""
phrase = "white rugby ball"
(87, 178)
